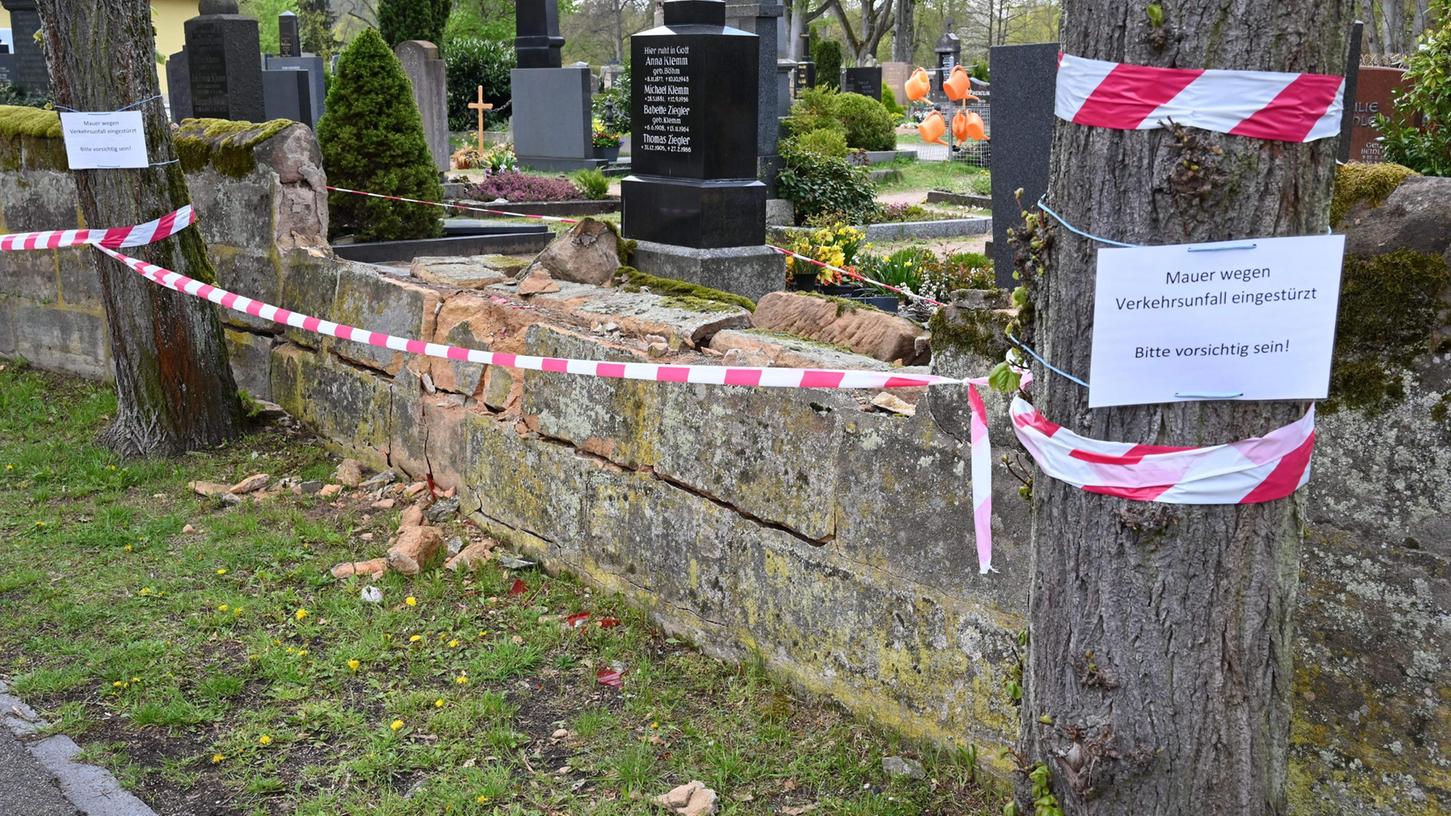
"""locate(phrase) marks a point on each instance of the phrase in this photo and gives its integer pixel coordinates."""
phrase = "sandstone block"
(415, 550)
(588, 253)
(866, 331)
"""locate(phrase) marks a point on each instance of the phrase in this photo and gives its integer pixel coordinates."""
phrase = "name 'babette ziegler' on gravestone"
(693, 202)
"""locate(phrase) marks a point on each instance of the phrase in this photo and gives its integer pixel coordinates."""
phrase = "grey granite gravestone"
(425, 70)
(761, 19)
(178, 85)
(1024, 80)
(224, 59)
(317, 91)
(692, 202)
(289, 40)
(287, 94)
(537, 42)
(30, 72)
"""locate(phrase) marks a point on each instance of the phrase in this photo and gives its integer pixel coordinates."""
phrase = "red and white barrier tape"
(1283, 107)
(1250, 471)
(1253, 470)
(115, 237)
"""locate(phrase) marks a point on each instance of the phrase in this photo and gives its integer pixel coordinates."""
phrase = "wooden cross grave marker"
(481, 106)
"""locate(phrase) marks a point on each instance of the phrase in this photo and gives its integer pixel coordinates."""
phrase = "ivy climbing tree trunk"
(174, 388)
(1158, 660)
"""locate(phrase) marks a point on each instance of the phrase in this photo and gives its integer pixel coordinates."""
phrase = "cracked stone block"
(498, 387)
(251, 359)
(474, 272)
(642, 313)
(309, 286)
(339, 402)
(369, 298)
(73, 341)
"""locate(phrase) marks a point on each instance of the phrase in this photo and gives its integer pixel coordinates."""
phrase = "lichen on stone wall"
(223, 144)
(1389, 307)
(1369, 184)
(20, 121)
(981, 332)
(631, 279)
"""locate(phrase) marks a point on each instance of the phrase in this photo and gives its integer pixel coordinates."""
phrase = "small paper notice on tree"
(1248, 320)
(99, 141)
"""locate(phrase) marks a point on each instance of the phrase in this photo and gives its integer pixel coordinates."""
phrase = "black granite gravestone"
(761, 19)
(537, 42)
(312, 64)
(949, 55)
(864, 81)
(30, 72)
(694, 110)
(289, 40)
(178, 85)
(287, 94)
(1024, 80)
(225, 63)
(1352, 81)
(7, 65)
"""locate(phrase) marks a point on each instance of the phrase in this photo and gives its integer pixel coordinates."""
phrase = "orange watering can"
(918, 85)
(932, 128)
(958, 85)
(968, 125)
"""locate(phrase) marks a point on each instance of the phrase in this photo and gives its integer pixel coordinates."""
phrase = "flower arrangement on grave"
(839, 245)
(605, 138)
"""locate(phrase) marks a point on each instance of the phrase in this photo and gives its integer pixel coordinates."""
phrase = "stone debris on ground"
(588, 253)
(251, 484)
(455, 546)
(415, 550)
(415, 489)
(510, 561)
(471, 557)
(690, 799)
(901, 766)
(349, 473)
(381, 479)
(329, 491)
(537, 282)
(887, 401)
(371, 595)
(371, 567)
(209, 490)
(441, 509)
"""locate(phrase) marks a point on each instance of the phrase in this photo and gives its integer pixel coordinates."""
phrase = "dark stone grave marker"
(761, 19)
(287, 94)
(178, 85)
(693, 201)
(289, 40)
(30, 72)
(864, 81)
(317, 92)
(1375, 88)
(536, 28)
(1025, 78)
(225, 63)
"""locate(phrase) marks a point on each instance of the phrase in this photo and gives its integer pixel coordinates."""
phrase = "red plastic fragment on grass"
(609, 623)
(609, 677)
(519, 587)
(577, 620)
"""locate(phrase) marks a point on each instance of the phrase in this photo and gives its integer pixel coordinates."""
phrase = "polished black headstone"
(949, 55)
(287, 94)
(864, 81)
(225, 65)
(7, 66)
(694, 107)
(1025, 78)
(289, 41)
(537, 42)
(178, 85)
(31, 73)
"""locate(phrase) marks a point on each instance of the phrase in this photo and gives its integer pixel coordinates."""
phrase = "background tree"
(401, 20)
(1418, 132)
(827, 56)
(1158, 657)
(174, 388)
(904, 34)
(372, 139)
(865, 27)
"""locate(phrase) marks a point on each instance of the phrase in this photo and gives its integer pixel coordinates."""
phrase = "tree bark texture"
(174, 388)
(1158, 664)
(904, 37)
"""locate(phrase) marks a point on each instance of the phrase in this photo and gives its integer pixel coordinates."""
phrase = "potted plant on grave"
(606, 143)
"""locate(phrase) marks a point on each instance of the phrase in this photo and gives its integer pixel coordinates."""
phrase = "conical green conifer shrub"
(372, 139)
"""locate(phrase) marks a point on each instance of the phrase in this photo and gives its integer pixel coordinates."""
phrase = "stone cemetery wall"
(831, 538)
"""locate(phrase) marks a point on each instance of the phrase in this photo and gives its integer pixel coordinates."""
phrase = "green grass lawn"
(955, 176)
(224, 671)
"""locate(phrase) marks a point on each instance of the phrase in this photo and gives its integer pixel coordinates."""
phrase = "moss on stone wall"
(981, 332)
(1370, 184)
(18, 121)
(223, 144)
(1389, 307)
(633, 280)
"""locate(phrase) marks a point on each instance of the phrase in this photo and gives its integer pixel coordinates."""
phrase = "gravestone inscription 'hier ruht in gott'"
(693, 201)
(425, 70)
(224, 63)
(30, 73)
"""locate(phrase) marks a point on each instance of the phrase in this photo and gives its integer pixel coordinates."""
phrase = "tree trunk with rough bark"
(1158, 665)
(174, 388)
(904, 36)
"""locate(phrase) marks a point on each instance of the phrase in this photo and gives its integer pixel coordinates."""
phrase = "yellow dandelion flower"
(217, 759)
(223, 608)
(136, 680)
(396, 725)
(118, 684)
(411, 601)
(9, 467)
(354, 664)
(40, 524)
(264, 740)
(300, 614)
(438, 703)
(237, 612)
(462, 679)
(221, 570)
(453, 644)
(415, 638)
(301, 652)
(481, 799)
